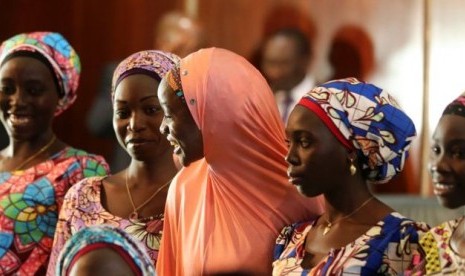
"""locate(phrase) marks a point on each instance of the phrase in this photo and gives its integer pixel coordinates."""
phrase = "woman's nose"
(291, 157)
(439, 164)
(164, 127)
(135, 124)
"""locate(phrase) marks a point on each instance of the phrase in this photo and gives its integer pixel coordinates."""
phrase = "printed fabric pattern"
(82, 207)
(385, 249)
(29, 204)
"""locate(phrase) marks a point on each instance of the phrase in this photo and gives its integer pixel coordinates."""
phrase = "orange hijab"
(224, 212)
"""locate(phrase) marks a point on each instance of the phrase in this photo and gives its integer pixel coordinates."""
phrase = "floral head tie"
(152, 63)
(456, 107)
(365, 118)
(60, 55)
(174, 81)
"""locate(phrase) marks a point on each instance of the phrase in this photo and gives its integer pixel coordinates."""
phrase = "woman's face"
(317, 160)
(28, 97)
(137, 115)
(179, 127)
(447, 161)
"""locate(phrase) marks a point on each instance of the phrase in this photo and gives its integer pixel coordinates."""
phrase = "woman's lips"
(441, 189)
(295, 180)
(19, 120)
(176, 146)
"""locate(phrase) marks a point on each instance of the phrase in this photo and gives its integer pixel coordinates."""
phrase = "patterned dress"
(82, 207)
(384, 249)
(29, 204)
(439, 256)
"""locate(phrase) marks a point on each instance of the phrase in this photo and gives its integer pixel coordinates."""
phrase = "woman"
(134, 198)
(341, 136)
(39, 75)
(225, 206)
(444, 245)
(103, 250)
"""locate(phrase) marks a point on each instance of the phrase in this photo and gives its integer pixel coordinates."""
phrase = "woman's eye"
(458, 153)
(152, 110)
(35, 89)
(304, 143)
(288, 142)
(7, 90)
(121, 114)
(435, 149)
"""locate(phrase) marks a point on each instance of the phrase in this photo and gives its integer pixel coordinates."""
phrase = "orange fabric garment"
(224, 212)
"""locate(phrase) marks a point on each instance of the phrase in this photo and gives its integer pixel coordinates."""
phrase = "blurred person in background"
(284, 61)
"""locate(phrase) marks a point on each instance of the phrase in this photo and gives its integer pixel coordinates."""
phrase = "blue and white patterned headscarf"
(104, 234)
(365, 118)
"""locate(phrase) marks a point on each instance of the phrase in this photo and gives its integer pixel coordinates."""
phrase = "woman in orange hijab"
(226, 205)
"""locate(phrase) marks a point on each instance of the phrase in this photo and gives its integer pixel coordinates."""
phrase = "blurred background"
(414, 49)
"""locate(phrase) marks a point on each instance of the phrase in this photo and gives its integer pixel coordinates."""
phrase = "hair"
(302, 41)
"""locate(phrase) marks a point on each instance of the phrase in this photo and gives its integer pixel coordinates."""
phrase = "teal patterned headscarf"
(86, 240)
(367, 119)
(58, 52)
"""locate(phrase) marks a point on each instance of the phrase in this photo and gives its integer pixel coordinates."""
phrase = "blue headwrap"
(366, 118)
(104, 234)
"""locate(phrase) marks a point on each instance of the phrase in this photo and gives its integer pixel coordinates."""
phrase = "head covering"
(104, 236)
(366, 118)
(58, 52)
(456, 107)
(151, 62)
(224, 211)
(174, 81)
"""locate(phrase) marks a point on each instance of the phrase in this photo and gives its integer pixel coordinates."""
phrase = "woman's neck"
(150, 173)
(343, 201)
(17, 147)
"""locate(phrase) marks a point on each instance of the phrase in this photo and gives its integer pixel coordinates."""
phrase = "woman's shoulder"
(87, 185)
(395, 220)
(288, 231)
(71, 152)
(436, 252)
(92, 164)
(396, 228)
(449, 225)
(442, 232)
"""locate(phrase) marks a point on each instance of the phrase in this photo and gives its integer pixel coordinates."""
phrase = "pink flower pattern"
(82, 207)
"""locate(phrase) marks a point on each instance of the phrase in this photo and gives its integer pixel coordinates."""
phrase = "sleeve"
(63, 229)
(406, 247)
(426, 257)
(94, 165)
(282, 241)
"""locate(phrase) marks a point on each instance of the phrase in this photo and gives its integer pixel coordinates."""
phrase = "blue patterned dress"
(385, 249)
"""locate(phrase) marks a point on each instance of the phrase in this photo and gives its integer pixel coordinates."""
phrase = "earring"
(352, 168)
